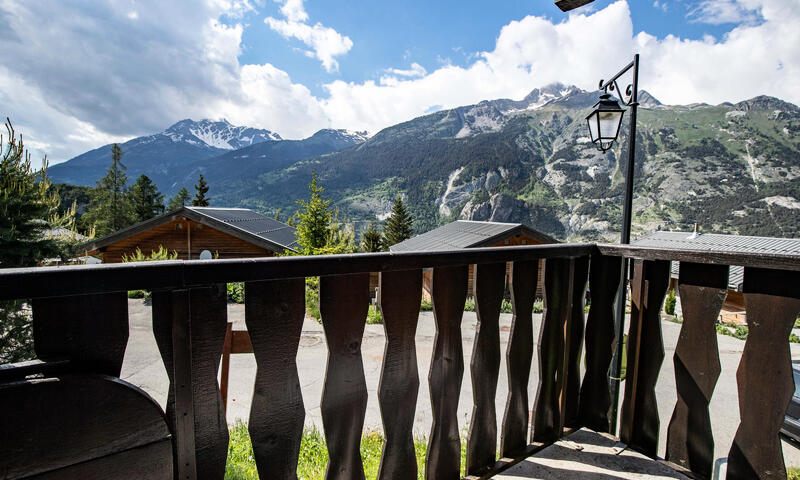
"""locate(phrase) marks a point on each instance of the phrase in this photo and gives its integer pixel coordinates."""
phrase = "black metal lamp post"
(604, 123)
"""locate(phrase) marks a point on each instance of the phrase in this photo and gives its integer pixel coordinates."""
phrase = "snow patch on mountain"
(222, 134)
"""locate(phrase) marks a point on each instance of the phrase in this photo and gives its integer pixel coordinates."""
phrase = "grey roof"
(242, 223)
(721, 242)
(467, 234)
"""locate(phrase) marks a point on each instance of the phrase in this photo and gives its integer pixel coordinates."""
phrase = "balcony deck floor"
(590, 456)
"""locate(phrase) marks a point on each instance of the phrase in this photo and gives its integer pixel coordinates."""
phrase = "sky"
(77, 75)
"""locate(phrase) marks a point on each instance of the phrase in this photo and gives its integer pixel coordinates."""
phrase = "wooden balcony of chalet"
(68, 415)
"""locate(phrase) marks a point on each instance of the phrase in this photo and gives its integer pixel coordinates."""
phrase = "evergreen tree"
(201, 188)
(179, 200)
(148, 202)
(28, 216)
(111, 207)
(398, 225)
(371, 239)
(314, 223)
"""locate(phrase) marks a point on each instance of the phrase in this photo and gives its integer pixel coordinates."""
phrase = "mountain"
(733, 168)
(185, 142)
(226, 154)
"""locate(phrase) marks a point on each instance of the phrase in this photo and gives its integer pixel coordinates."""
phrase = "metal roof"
(242, 223)
(466, 234)
(721, 242)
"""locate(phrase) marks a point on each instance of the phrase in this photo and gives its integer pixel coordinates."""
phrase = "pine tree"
(111, 207)
(179, 200)
(201, 188)
(28, 216)
(398, 225)
(371, 239)
(314, 220)
(148, 202)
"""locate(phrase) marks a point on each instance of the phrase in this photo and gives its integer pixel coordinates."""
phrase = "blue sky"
(431, 33)
(78, 74)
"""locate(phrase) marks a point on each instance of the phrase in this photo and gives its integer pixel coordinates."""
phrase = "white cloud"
(325, 42)
(416, 70)
(717, 12)
(94, 76)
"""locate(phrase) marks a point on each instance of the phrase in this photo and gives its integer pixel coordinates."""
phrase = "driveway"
(143, 367)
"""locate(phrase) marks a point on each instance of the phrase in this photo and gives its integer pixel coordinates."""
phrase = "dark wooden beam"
(567, 5)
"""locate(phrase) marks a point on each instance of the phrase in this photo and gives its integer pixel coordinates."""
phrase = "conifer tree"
(371, 239)
(148, 202)
(28, 217)
(179, 200)
(314, 220)
(201, 188)
(398, 225)
(111, 208)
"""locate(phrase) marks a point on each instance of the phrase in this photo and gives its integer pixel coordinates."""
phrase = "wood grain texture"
(547, 417)
(640, 422)
(55, 423)
(690, 441)
(152, 462)
(764, 376)
(343, 304)
(485, 367)
(595, 395)
(574, 342)
(448, 293)
(90, 330)
(401, 294)
(274, 312)
(519, 355)
(196, 319)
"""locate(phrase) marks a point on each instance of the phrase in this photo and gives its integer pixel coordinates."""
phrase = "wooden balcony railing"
(74, 418)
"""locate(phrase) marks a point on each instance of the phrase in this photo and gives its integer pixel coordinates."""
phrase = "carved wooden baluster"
(547, 418)
(595, 396)
(690, 442)
(519, 355)
(489, 281)
(343, 304)
(772, 301)
(448, 293)
(274, 312)
(574, 342)
(90, 330)
(189, 327)
(401, 293)
(640, 422)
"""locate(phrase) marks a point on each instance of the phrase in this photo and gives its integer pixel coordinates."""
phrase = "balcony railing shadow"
(68, 415)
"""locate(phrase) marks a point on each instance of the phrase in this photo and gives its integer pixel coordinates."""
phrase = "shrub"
(236, 292)
(506, 307)
(312, 297)
(374, 315)
(469, 305)
(425, 306)
(538, 306)
(669, 303)
(155, 255)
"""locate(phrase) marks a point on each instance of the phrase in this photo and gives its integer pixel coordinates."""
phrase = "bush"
(469, 305)
(138, 293)
(538, 306)
(312, 297)
(155, 255)
(669, 303)
(425, 306)
(506, 307)
(236, 292)
(374, 315)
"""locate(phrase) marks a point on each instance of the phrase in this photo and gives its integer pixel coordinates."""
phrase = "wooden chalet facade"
(474, 234)
(224, 232)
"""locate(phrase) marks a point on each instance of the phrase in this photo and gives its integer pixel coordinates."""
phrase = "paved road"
(143, 367)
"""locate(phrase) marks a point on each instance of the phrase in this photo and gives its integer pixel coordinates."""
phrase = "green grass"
(793, 473)
(374, 315)
(314, 454)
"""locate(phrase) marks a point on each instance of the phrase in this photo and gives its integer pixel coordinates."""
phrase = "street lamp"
(604, 122)
(606, 118)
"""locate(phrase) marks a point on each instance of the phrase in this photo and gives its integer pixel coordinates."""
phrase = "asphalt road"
(143, 367)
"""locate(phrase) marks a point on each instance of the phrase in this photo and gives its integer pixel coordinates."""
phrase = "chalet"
(473, 234)
(715, 242)
(189, 231)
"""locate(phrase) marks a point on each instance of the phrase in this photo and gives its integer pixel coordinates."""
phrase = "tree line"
(114, 205)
